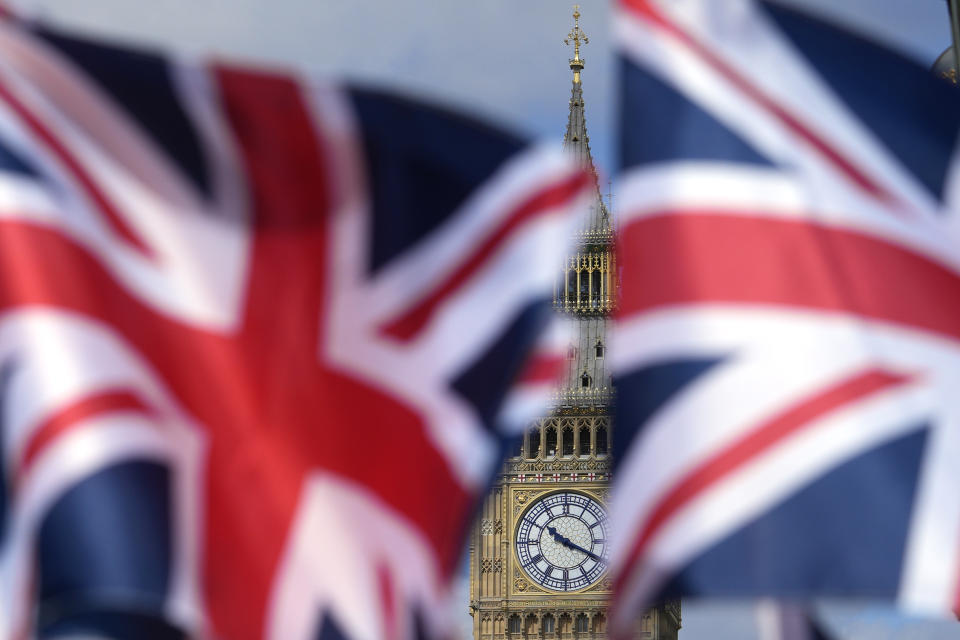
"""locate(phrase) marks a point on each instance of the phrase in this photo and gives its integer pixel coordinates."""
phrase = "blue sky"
(504, 59)
(501, 58)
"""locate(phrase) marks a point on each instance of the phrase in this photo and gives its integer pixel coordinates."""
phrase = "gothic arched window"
(533, 445)
(595, 289)
(584, 448)
(601, 441)
(599, 623)
(551, 442)
(548, 623)
(585, 380)
(599, 349)
(566, 442)
(513, 625)
(582, 623)
(531, 625)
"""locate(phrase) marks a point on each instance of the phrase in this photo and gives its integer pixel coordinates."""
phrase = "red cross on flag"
(235, 309)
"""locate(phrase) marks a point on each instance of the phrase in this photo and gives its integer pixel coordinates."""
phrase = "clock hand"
(589, 553)
(572, 545)
(558, 536)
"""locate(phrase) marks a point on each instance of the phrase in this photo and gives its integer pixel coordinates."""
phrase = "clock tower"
(538, 551)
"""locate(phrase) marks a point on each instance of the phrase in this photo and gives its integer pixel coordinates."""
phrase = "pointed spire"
(576, 140)
(576, 36)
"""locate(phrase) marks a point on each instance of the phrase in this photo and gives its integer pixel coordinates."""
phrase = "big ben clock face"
(562, 541)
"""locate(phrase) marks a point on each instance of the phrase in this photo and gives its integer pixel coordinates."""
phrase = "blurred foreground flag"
(254, 334)
(788, 341)
(786, 620)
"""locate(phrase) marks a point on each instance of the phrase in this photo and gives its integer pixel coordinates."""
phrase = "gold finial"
(578, 37)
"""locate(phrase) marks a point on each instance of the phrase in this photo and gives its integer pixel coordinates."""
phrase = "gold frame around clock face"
(560, 541)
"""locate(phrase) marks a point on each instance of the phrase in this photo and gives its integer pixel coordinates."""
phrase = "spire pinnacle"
(577, 37)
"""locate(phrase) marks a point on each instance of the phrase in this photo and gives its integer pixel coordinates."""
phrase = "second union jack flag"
(254, 338)
(788, 342)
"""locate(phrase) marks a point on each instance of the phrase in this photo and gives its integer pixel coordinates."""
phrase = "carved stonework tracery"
(494, 565)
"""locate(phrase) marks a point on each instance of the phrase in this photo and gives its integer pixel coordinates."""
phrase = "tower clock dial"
(562, 541)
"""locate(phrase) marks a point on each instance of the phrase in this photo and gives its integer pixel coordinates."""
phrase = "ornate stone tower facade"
(538, 554)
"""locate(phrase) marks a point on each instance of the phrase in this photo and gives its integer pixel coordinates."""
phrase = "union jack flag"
(777, 620)
(787, 348)
(254, 334)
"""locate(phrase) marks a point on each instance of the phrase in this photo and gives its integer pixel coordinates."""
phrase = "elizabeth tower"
(538, 552)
